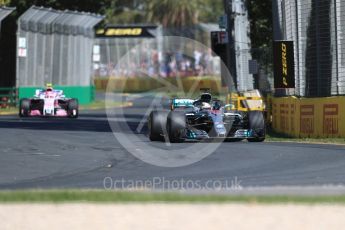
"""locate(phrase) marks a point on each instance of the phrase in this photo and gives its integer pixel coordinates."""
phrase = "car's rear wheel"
(257, 125)
(157, 125)
(73, 108)
(24, 107)
(176, 125)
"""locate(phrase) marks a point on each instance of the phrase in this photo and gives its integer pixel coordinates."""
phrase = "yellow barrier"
(309, 117)
(239, 103)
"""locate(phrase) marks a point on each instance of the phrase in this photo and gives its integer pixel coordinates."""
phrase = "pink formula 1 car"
(49, 102)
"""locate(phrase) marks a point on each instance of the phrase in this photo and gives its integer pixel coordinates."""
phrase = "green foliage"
(260, 16)
(172, 13)
(80, 5)
(4, 2)
(125, 12)
(211, 10)
(167, 12)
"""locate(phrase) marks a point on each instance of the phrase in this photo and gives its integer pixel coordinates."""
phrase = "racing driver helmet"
(49, 87)
(205, 106)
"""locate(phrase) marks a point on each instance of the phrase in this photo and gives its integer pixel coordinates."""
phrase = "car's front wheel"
(257, 125)
(73, 108)
(24, 107)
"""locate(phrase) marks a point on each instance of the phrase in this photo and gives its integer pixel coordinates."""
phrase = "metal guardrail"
(8, 97)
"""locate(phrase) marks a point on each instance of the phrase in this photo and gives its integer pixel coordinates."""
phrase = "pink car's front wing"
(59, 113)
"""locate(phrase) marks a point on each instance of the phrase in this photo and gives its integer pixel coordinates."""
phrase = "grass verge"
(96, 105)
(9, 111)
(77, 196)
(277, 137)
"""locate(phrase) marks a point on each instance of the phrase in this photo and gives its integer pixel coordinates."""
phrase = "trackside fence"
(55, 47)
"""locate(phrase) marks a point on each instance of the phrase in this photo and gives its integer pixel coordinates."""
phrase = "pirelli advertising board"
(126, 32)
(284, 65)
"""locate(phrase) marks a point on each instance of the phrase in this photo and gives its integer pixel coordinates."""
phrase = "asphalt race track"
(67, 153)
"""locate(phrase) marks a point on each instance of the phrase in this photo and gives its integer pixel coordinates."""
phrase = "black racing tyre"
(73, 105)
(24, 107)
(176, 125)
(256, 122)
(157, 125)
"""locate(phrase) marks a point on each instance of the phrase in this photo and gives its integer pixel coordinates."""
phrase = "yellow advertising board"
(309, 117)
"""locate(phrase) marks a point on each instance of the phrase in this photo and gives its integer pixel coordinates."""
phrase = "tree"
(125, 12)
(210, 10)
(261, 34)
(95, 6)
(4, 2)
(176, 13)
(260, 16)
(173, 13)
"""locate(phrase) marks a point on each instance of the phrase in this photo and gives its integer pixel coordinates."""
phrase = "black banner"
(218, 43)
(126, 31)
(284, 65)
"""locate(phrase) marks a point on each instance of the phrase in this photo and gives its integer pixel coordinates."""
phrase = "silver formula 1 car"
(205, 118)
(49, 102)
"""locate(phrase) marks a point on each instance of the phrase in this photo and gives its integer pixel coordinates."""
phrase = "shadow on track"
(96, 122)
(57, 124)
